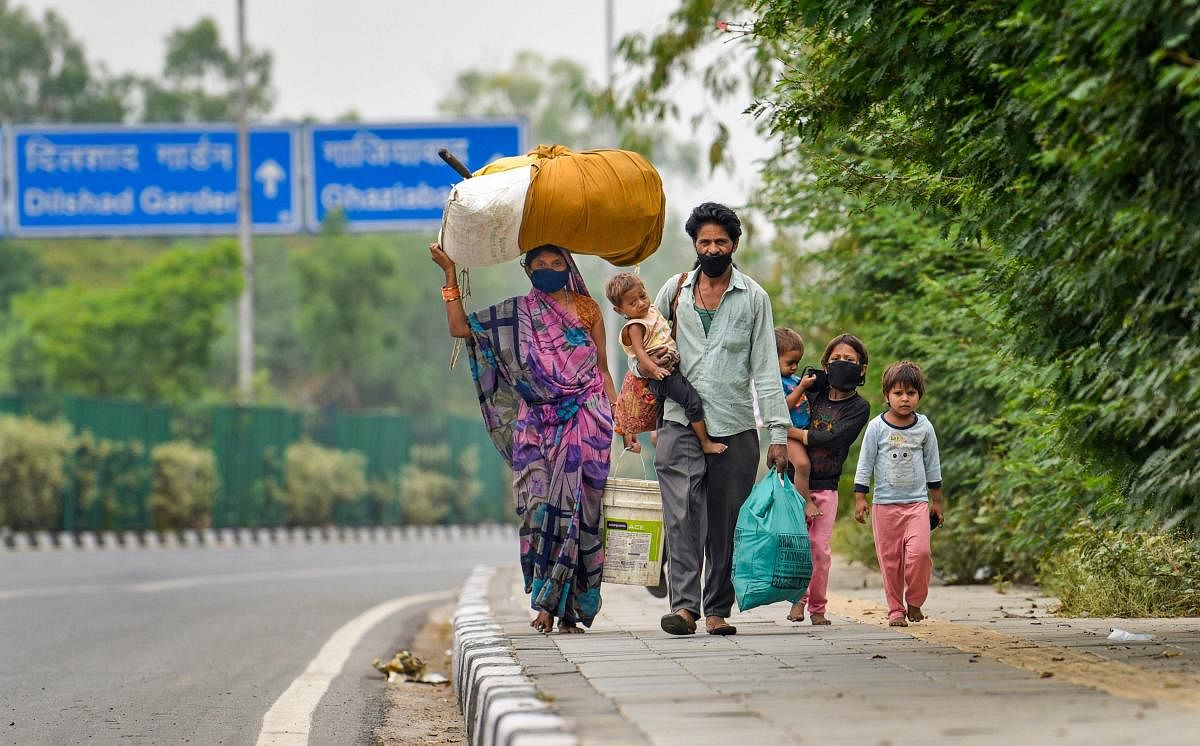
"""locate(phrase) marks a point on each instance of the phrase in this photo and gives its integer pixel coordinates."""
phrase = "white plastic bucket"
(633, 532)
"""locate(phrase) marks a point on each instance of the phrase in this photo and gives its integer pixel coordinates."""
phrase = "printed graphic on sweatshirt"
(901, 455)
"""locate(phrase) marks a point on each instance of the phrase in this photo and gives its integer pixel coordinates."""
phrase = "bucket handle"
(641, 458)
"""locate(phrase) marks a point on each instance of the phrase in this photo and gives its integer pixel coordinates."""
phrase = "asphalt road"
(195, 645)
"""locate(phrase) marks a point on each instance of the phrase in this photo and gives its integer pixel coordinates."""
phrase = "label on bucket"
(635, 538)
(632, 551)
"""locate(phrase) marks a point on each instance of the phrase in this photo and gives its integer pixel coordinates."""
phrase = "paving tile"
(626, 681)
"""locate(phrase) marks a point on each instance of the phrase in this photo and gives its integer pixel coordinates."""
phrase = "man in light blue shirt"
(726, 337)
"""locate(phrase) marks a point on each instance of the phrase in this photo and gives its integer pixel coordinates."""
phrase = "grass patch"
(1109, 572)
(854, 541)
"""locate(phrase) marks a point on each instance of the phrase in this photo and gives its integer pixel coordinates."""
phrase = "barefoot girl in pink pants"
(900, 449)
(838, 414)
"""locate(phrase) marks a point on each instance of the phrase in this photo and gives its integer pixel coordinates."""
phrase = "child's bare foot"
(796, 614)
(543, 622)
(897, 622)
(818, 620)
(712, 448)
(570, 628)
(914, 613)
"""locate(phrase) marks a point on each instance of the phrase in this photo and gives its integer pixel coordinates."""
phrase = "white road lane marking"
(193, 581)
(289, 720)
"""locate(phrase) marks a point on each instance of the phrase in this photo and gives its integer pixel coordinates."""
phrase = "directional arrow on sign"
(270, 174)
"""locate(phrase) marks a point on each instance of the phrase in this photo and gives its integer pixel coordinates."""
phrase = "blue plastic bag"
(772, 559)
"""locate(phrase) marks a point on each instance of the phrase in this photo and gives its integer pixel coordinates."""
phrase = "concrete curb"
(33, 541)
(499, 702)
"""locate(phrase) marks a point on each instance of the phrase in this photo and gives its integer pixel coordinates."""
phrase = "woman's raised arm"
(456, 315)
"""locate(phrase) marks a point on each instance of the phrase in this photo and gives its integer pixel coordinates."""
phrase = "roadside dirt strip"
(1046, 658)
(420, 713)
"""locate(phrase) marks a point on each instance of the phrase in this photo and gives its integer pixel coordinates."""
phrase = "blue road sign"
(390, 176)
(113, 180)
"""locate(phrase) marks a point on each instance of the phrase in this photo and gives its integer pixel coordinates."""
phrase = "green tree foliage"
(1061, 135)
(21, 268)
(46, 77)
(912, 292)
(346, 285)
(531, 87)
(199, 79)
(562, 107)
(1009, 181)
(149, 339)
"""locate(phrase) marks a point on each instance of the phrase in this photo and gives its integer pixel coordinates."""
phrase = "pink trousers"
(902, 546)
(819, 533)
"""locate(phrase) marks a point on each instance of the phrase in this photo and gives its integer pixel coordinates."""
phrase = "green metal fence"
(385, 440)
(469, 439)
(249, 444)
(11, 404)
(111, 471)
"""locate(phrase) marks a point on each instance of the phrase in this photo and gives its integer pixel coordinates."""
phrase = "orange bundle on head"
(606, 203)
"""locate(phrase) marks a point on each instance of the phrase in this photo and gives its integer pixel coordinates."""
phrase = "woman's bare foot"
(712, 448)
(818, 620)
(897, 622)
(569, 628)
(796, 614)
(914, 613)
(543, 622)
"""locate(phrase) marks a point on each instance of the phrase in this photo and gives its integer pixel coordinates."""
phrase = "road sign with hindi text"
(390, 176)
(114, 180)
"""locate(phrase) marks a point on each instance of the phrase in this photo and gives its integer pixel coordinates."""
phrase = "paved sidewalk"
(986, 668)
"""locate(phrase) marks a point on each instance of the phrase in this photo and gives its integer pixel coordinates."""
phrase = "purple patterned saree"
(543, 402)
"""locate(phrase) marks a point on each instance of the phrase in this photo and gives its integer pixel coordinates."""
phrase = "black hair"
(533, 253)
(907, 374)
(846, 339)
(717, 214)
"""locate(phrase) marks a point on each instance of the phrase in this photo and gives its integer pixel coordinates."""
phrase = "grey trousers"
(701, 498)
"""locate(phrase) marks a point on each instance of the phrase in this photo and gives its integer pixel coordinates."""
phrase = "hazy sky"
(389, 60)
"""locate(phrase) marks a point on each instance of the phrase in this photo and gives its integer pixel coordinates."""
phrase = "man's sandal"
(677, 624)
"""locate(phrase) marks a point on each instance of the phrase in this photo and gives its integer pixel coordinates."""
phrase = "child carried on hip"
(789, 346)
(647, 331)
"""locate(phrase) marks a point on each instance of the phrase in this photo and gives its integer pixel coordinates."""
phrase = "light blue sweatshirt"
(903, 460)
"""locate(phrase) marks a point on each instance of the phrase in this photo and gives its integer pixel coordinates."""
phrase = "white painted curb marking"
(499, 702)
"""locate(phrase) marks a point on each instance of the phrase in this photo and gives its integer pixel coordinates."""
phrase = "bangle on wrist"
(451, 293)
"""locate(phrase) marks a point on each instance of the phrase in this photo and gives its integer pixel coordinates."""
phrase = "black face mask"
(714, 265)
(844, 375)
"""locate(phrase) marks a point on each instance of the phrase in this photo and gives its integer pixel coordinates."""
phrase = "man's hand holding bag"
(772, 560)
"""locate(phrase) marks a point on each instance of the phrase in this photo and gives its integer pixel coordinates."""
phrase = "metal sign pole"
(617, 362)
(245, 363)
